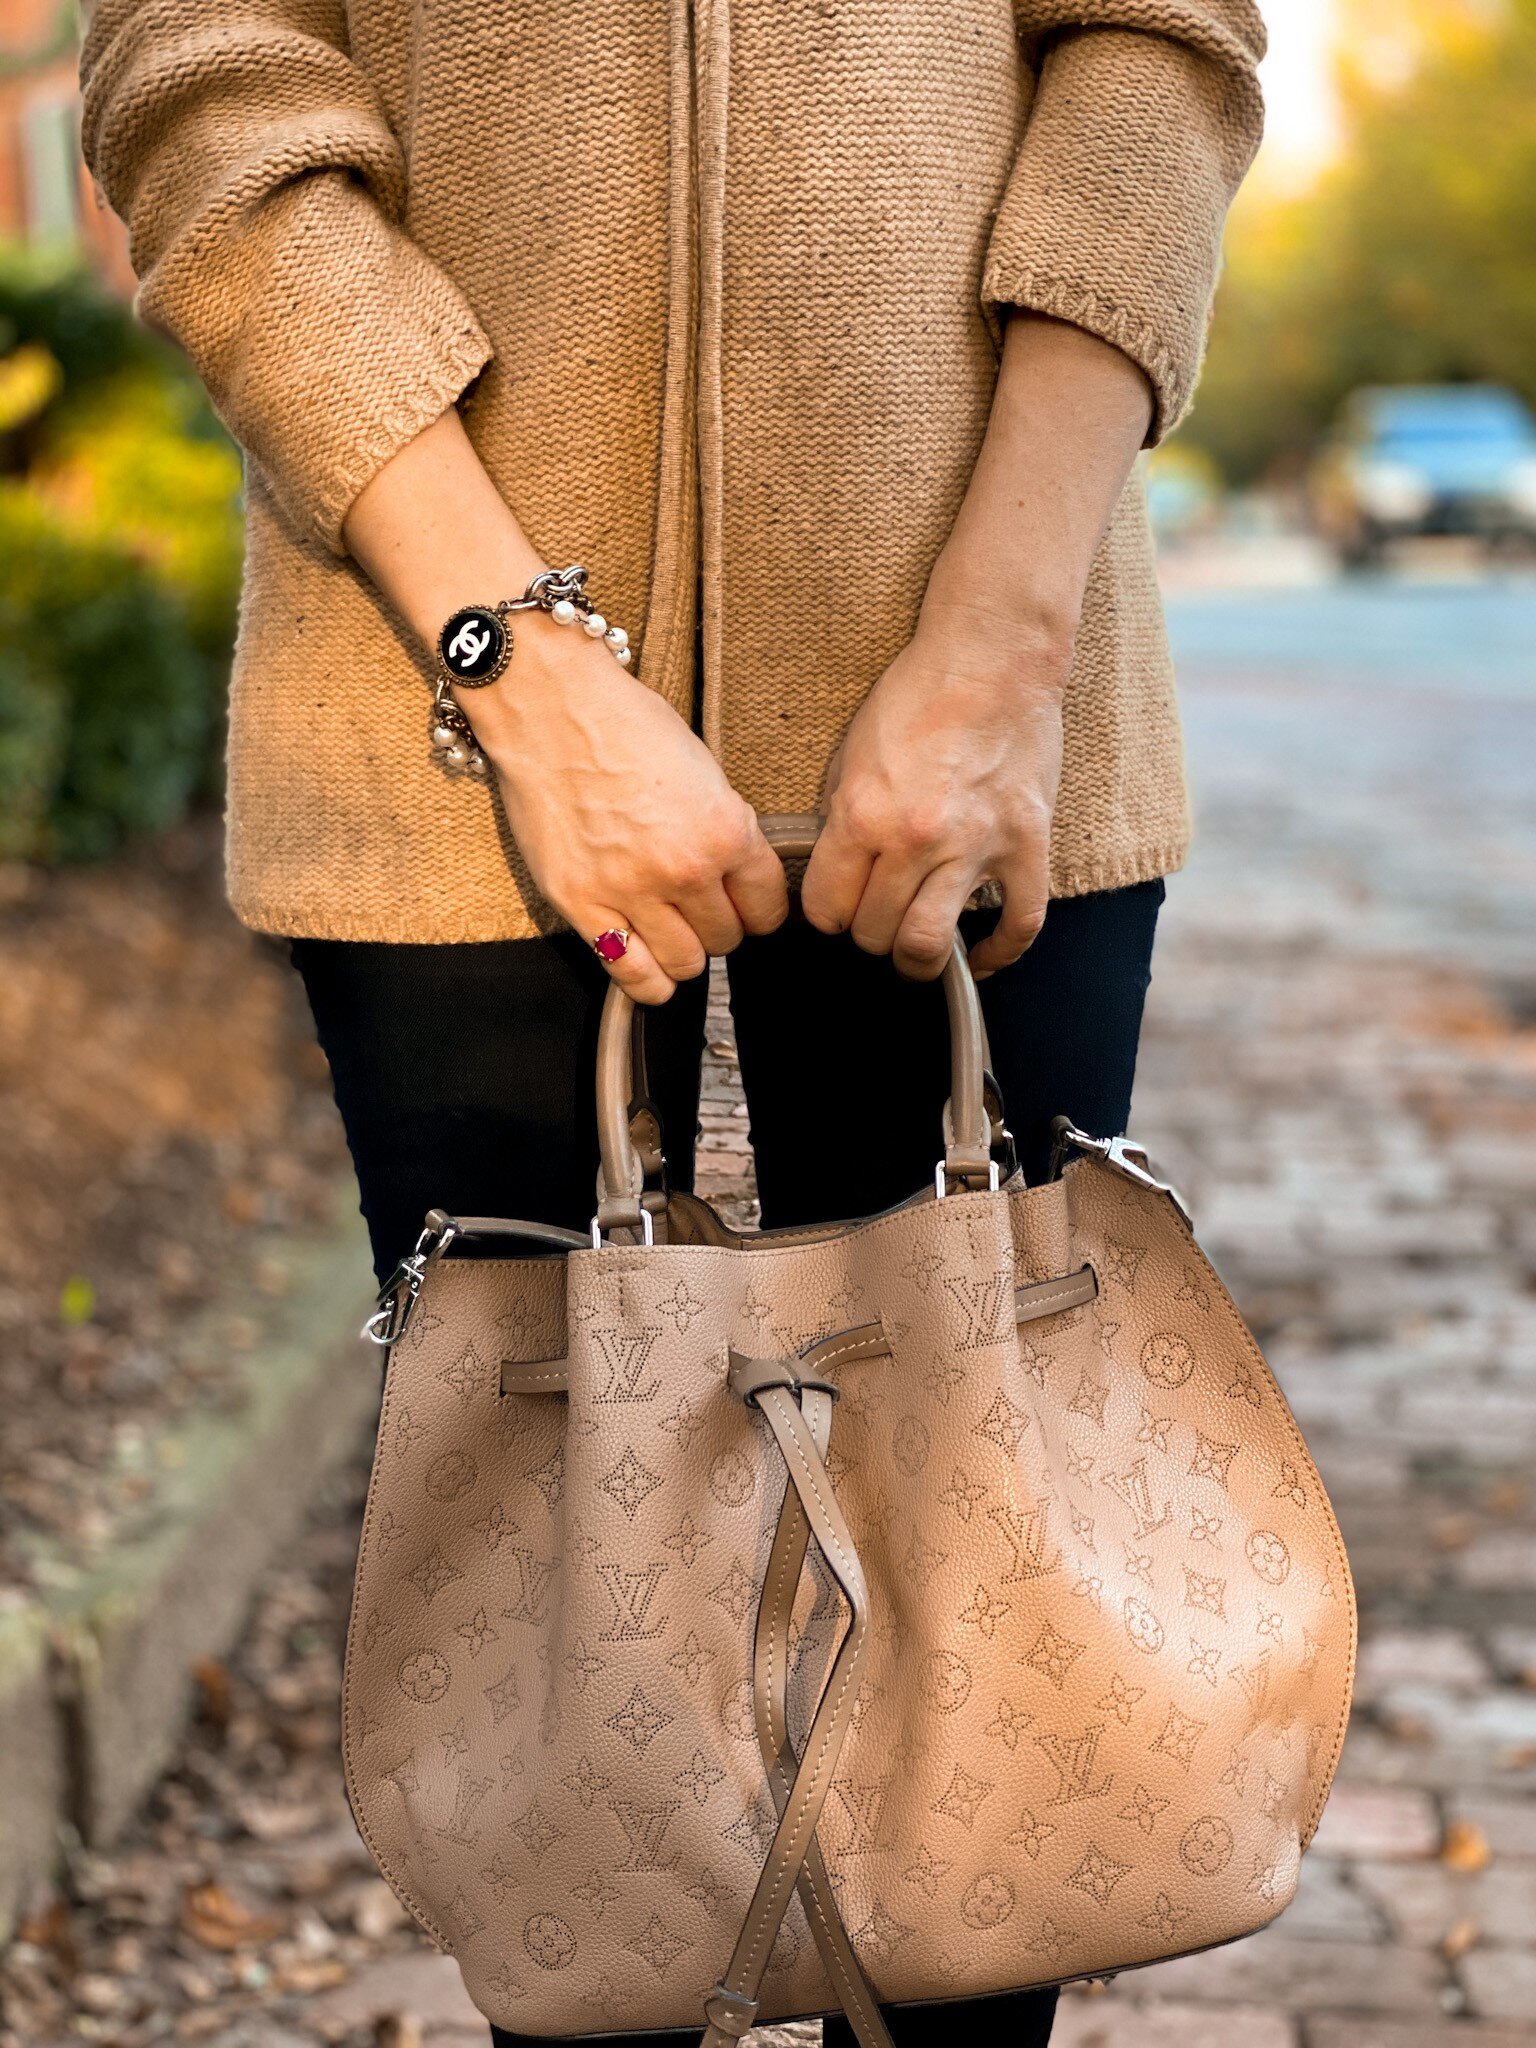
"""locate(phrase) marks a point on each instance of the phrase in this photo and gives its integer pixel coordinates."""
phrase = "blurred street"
(1340, 1067)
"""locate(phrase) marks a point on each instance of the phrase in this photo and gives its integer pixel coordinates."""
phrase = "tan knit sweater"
(717, 285)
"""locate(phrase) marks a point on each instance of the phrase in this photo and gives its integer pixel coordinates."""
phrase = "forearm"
(433, 532)
(948, 772)
(622, 815)
(1068, 416)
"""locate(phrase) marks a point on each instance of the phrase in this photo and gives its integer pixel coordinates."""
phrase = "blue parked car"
(1426, 459)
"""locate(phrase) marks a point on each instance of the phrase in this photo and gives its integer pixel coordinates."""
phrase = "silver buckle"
(1121, 1155)
(941, 1179)
(647, 1230)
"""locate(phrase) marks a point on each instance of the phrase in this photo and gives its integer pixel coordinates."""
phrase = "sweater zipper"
(712, 52)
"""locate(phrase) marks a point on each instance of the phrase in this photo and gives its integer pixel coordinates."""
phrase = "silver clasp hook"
(1122, 1155)
(397, 1297)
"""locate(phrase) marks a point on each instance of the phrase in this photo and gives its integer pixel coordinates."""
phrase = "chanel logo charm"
(474, 645)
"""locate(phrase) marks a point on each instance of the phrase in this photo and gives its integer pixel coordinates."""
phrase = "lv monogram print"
(1111, 1622)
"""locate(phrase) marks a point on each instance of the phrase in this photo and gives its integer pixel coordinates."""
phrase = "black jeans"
(464, 1076)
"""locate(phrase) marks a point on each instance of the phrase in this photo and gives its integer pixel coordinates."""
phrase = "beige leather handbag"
(667, 1700)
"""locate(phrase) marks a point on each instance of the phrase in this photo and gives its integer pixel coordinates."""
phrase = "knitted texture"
(717, 286)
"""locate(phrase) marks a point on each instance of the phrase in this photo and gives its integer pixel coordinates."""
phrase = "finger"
(636, 970)
(711, 915)
(675, 945)
(835, 879)
(893, 884)
(1025, 895)
(925, 938)
(756, 886)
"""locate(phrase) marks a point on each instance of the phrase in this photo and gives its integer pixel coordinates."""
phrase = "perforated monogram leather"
(1102, 1636)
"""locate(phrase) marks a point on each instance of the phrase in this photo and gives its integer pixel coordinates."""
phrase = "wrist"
(536, 684)
(497, 664)
(1041, 612)
(1026, 645)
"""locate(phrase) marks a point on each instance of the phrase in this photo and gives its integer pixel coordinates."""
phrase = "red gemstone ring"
(611, 946)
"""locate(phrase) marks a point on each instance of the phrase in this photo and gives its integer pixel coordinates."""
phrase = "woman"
(825, 337)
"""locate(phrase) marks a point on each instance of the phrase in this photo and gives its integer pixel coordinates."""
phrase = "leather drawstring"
(798, 1409)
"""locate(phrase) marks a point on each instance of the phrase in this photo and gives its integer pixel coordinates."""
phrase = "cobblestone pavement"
(1340, 1066)
(1340, 1063)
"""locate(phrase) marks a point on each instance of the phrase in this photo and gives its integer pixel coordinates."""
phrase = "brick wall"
(46, 195)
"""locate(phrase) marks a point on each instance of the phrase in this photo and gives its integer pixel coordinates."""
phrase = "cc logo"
(474, 645)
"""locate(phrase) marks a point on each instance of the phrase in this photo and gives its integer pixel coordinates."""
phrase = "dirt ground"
(164, 1107)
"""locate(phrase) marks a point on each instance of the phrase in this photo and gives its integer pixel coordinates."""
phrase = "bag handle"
(969, 1126)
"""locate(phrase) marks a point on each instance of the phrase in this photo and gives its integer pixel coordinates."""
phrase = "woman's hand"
(623, 815)
(947, 776)
(948, 771)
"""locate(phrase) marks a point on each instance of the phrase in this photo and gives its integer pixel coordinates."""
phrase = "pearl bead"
(594, 625)
(563, 610)
(457, 756)
(443, 736)
(617, 638)
(478, 765)
(623, 657)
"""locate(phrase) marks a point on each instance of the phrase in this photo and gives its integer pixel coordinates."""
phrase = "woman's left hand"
(946, 777)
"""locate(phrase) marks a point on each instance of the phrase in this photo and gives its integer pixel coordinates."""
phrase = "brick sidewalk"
(1340, 1068)
(1351, 1133)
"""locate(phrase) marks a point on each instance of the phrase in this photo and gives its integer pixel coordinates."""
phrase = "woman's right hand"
(623, 815)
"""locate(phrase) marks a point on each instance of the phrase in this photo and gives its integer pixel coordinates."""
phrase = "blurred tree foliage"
(119, 572)
(1412, 259)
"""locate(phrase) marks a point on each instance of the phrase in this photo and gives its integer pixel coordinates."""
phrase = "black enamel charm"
(473, 646)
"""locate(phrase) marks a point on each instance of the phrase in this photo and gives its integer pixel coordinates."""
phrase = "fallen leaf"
(1465, 1847)
(376, 1911)
(1508, 1497)
(308, 1734)
(398, 2030)
(99, 1994)
(271, 1276)
(270, 1820)
(307, 1977)
(77, 1300)
(1459, 1939)
(199, 2022)
(46, 1928)
(1407, 1728)
(216, 1919)
(216, 1691)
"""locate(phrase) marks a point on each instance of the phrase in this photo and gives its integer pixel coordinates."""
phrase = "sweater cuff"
(344, 342)
(1113, 212)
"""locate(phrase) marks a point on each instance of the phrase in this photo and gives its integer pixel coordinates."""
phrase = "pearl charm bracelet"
(475, 645)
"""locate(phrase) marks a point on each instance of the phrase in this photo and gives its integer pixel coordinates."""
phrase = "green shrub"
(120, 539)
(90, 335)
(106, 714)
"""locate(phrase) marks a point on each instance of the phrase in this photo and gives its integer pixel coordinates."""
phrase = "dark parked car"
(1426, 459)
